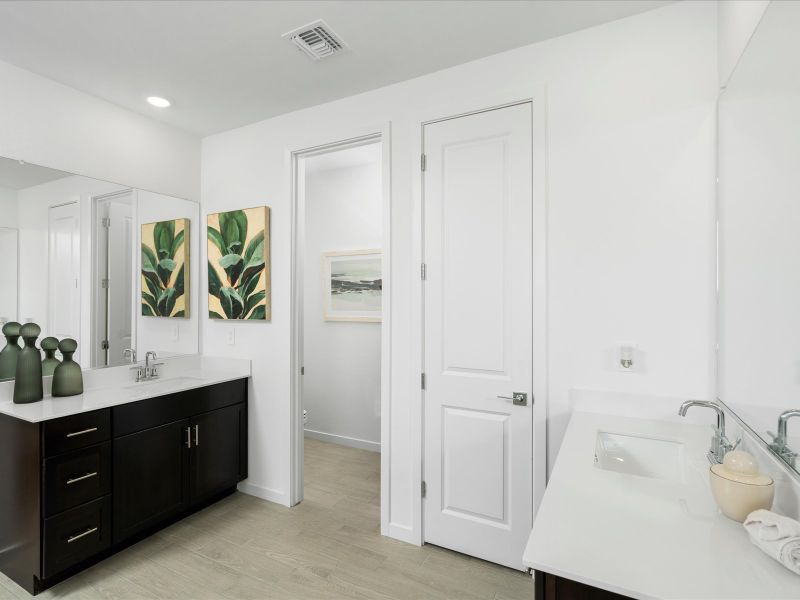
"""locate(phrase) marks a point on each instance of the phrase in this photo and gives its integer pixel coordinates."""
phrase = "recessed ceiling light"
(159, 102)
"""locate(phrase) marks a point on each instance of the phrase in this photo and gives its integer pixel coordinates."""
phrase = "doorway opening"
(113, 278)
(340, 320)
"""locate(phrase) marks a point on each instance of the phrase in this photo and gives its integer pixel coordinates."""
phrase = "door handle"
(197, 435)
(518, 398)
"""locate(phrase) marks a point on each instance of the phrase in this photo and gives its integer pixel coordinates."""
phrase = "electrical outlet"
(231, 337)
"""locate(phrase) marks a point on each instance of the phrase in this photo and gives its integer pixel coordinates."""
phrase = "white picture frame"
(352, 284)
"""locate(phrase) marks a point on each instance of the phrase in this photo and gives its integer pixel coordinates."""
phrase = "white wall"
(164, 335)
(49, 124)
(33, 208)
(737, 19)
(630, 162)
(342, 382)
(8, 207)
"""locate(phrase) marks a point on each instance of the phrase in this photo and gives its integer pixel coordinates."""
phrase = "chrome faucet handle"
(129, 352)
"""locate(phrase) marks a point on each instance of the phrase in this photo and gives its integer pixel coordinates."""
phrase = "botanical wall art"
(352, 285)
(165, 268)
(238, 265)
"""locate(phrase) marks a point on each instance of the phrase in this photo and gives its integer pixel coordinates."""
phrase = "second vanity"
(628, 513)
(86, 476)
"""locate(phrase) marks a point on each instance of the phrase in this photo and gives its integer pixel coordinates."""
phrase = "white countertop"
(116, 394)
(642, 537)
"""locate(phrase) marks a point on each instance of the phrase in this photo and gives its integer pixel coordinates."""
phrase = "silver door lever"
(518, 398)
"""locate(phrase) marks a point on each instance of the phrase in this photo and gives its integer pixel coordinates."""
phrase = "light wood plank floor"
(327, 547)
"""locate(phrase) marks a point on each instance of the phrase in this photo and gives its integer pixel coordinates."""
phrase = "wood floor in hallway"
(329, 546)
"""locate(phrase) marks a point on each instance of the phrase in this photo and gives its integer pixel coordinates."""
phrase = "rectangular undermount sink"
(640, 455)
(171, 382)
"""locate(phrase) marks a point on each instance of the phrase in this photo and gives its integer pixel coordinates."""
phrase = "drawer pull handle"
(81, 478)
(82, 432)
(75, 538)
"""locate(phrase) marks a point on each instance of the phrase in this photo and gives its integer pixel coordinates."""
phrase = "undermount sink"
(166, 382)
(639, 455)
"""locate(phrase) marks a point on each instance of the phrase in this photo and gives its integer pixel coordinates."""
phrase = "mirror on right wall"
(758, 329)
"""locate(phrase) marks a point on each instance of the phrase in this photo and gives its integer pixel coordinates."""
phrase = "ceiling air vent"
(317, 40)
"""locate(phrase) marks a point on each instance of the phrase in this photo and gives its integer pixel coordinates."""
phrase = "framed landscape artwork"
(352, 286)
(165, 268)
(238, 265)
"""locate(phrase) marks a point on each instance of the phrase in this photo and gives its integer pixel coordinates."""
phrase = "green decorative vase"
(67, 378)
(8, 357)
(49, 345)
(28, 386)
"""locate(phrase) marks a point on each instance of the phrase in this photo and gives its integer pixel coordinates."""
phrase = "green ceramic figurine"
(8, 357)
(67, 378)
(28, 385)
(49, 345)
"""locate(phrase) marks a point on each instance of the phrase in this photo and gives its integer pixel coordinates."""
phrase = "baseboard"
(343, 440)
(264, 493)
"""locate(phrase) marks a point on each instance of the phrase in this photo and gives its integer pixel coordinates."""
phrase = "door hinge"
(423, 271)
(104, 345)
(424, 489)
(422, 381)
(302, 370)
(104, 284)
(423, 162)
(107, 222)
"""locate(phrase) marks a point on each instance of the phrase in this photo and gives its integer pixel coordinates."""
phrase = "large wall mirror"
(759, 234)
(113, 267)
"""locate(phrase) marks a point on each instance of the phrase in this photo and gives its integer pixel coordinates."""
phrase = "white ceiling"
(224, 64)
(15, 175)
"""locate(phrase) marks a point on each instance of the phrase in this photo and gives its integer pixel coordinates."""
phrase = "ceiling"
(224, 64)
(16, 175)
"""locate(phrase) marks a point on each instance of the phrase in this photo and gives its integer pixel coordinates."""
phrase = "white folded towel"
(777, 536)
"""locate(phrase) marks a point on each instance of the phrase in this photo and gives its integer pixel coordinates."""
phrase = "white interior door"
(120, 280)
(478, 447)
(64, 269)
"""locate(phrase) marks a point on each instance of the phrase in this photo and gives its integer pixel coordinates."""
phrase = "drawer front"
(77, 431)
(77, 477)
(75, 535)
(154, 412)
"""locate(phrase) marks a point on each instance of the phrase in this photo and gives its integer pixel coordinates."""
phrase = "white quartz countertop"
(115, 394)
(644, 537)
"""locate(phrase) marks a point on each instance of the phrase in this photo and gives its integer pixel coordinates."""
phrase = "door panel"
(215, 452)
(64, 258)
(121, 280)
(478, 333)
(150, 475)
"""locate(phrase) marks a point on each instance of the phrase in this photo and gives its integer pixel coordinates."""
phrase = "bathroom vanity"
(81, 486)
(628, 513)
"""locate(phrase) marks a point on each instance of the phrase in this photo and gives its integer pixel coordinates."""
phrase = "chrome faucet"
(150, 369)
(779, 444)
(720, 445)
(129, 352)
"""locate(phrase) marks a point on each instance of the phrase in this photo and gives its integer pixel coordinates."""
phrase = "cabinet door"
(150, 477)
(215, 452)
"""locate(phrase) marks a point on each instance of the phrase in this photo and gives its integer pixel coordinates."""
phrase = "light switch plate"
(176, 333)
(231, 338)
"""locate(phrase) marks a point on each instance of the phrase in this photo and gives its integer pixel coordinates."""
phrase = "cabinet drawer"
(75, 535)
(77, 477)
(77, 431)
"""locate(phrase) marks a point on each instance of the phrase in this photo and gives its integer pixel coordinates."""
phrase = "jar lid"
(741, 467)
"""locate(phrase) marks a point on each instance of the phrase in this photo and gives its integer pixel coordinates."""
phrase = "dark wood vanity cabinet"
(80, 488)
(553, 587)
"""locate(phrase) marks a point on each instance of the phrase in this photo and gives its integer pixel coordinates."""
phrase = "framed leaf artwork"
(238, 265)
(165, 268)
